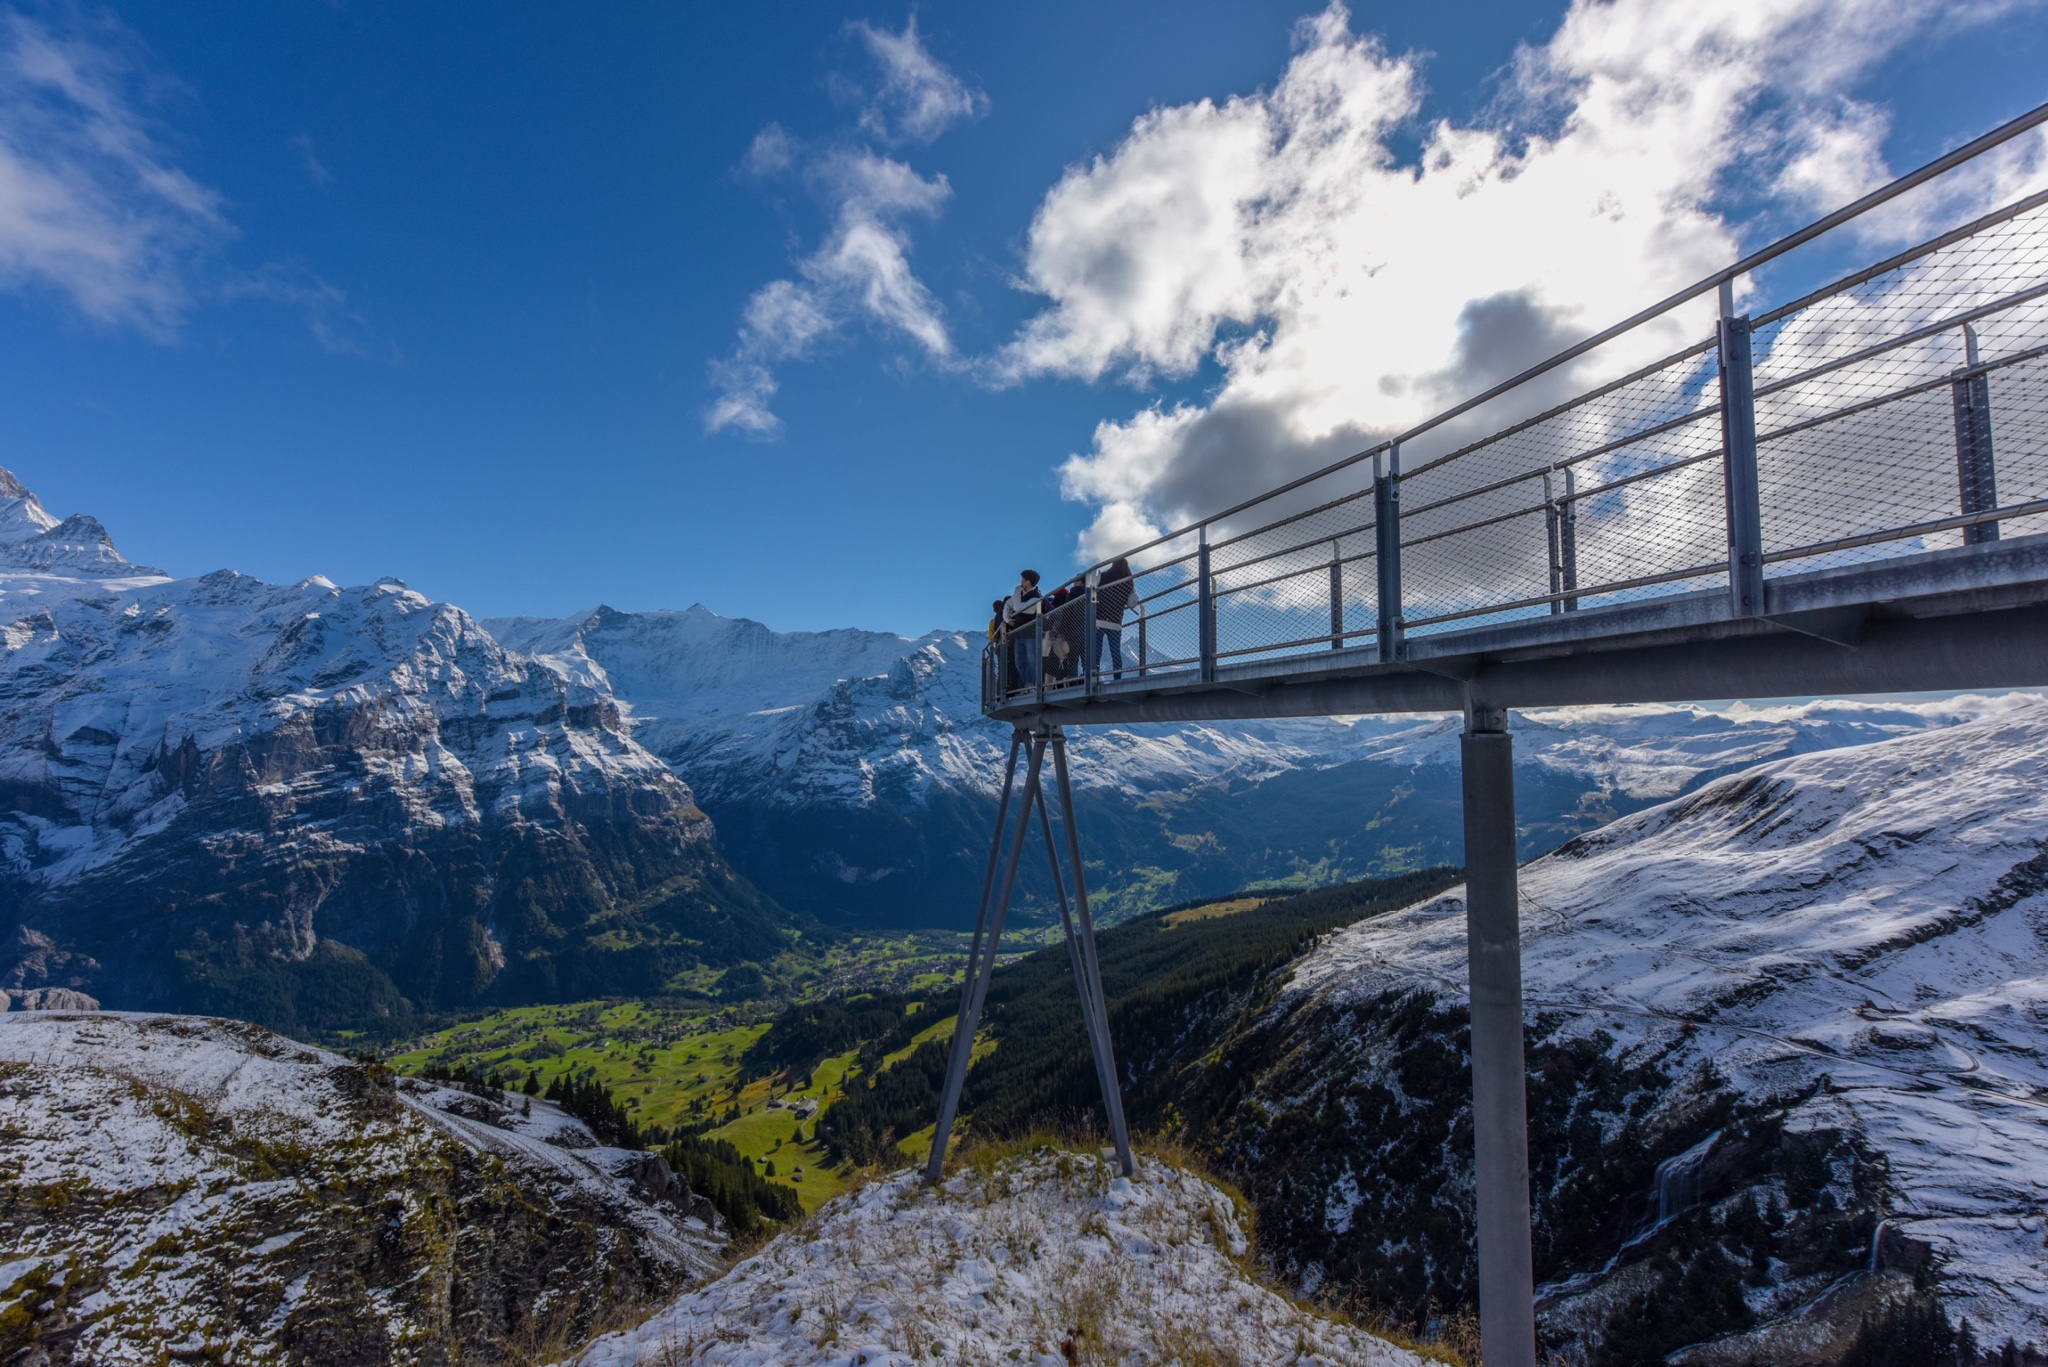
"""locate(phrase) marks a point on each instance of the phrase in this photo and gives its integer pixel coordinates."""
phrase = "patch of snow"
(1000, 1266)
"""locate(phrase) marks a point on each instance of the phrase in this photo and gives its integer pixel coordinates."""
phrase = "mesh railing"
(1902, 409)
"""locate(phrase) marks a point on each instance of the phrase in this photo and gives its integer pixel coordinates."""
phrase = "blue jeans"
(1024, 652)
(1112, 640)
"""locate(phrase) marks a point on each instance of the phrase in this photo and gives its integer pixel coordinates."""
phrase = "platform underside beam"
(1842, 655)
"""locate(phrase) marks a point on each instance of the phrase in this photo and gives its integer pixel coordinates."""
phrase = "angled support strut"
(1074, 919)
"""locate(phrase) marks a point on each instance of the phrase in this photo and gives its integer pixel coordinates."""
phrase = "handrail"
(1961, 461)
(1969, 151)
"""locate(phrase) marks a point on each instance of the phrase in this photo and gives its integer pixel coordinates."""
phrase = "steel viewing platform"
(1844, 493)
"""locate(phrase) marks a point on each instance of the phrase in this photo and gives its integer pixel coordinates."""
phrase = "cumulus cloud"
(861, 270)
(91, 205)
(1343, 294)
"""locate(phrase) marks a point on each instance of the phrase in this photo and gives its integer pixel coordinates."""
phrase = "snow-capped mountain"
(852, 774)
(285, 799)
(184, 1189)
(1789, 1048)
(31, 539)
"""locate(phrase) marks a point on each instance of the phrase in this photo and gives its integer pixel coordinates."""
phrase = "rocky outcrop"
(1040, 1257)
(177, 1188)
(46, 999)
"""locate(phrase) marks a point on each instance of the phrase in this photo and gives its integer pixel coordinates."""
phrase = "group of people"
(1062, 614)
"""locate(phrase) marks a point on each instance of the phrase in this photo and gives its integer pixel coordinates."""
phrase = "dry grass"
(1211, 911)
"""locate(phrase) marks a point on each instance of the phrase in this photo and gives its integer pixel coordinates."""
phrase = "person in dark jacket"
(1114, 591)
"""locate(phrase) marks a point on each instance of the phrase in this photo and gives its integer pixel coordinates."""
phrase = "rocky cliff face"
(321, 806)
(1786, 1052)
(852, 774)
(176, 1188)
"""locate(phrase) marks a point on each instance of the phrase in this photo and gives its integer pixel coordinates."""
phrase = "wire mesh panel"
(1611, 497)
(1302, 584)
(1162, 632)
(1879, 406)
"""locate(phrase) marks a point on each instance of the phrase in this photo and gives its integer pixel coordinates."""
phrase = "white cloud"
(93, 208)
(861, 271)
(1344, 295)
(918, 98)
(316, 171)
(90, 204)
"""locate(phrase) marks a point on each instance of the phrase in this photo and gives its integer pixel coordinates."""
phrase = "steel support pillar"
(1500, 1121)
(988, 933)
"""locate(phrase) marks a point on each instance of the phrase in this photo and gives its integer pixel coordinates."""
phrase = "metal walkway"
(1843, 493)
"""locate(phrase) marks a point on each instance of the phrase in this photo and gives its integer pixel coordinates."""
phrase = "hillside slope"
(320, 806)
(1789, 1048)
(193, 1189)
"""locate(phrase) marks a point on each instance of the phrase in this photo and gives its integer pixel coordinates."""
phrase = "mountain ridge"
(275, 800)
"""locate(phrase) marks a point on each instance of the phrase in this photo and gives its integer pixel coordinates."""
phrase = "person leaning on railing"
(1113, 594)
(1020, 610)
(1065, 611)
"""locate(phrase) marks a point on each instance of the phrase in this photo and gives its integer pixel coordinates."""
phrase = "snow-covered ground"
(204, 1188)
(1043, 1259)
(1858, 932)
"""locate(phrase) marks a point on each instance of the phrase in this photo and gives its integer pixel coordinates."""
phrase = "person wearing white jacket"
(1020, 610)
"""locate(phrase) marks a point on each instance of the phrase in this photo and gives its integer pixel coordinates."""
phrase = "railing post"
(1568, 539)
(1553, 538)
(1090, 669)
(1142, 643)
(1038, 634)
(1560, 528)
(1205, 610)
(1336, 594)
(1738, 462)
(1386, 513)
(1976, 475)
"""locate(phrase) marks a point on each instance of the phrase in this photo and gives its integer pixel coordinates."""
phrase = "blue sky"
(455, 293)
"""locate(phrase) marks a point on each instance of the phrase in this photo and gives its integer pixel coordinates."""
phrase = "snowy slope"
(200, 1189)
(223, 768)
(1829, 963)
(1043, 1260)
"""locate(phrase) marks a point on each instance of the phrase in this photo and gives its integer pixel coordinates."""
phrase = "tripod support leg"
(1112, 1092)
(1094, 1019)
(974, 992)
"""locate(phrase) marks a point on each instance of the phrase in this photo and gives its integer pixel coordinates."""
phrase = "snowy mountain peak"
(31, 539)
(21, 513)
